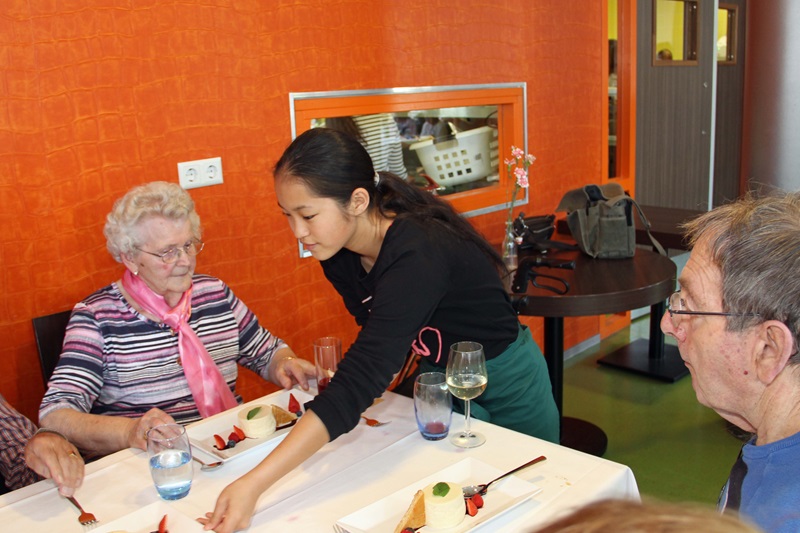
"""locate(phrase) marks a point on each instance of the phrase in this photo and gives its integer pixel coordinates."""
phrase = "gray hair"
(755, 242)
(158, 198)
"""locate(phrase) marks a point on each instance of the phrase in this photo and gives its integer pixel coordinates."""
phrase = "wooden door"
(673, 117)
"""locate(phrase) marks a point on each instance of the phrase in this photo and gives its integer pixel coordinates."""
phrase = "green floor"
(678, 450)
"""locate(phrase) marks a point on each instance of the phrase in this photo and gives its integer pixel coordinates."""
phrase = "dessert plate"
(383, 515)
(201, 434)
(147, 518)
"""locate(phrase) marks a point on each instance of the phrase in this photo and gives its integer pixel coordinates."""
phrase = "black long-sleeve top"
(427, 290)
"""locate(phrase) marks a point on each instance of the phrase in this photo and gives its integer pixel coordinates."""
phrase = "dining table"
(584, 286)
(346, 476)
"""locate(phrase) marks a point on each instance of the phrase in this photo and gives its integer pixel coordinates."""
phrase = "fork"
(371, 422)
(86, 519)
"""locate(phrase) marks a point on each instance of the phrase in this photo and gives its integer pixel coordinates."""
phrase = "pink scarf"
(209, 389)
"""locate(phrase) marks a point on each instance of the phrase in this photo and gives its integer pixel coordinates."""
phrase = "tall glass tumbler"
(170, 460)
(433, 405)
(327, 354)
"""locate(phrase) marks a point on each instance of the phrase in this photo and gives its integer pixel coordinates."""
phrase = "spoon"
(208, 466)
(471, 490)
(371, 422)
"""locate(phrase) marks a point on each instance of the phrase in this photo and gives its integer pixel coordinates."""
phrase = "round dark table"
(596, 287)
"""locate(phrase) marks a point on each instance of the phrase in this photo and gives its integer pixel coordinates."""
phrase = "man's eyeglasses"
(192, 248)
(677, 306)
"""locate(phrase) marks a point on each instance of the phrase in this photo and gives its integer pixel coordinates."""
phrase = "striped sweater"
(117, 362)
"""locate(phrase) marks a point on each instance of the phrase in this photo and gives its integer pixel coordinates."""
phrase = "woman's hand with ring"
(52, 456)
(137, 435)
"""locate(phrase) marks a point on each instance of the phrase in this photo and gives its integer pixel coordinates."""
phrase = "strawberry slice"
(240, 432)
(477, 499)
(162, 526)
(294, 405)
(220, 442)
(472, 509)
(234, 437)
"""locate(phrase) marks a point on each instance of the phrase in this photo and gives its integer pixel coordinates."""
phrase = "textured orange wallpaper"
(99, 95)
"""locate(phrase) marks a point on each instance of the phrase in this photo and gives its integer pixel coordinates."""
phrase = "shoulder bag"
(601, 220)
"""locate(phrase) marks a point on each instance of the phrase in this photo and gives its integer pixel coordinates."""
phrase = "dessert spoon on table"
(471, 490)
(208, 466)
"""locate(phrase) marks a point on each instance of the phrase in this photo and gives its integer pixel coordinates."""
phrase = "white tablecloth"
(357, 469)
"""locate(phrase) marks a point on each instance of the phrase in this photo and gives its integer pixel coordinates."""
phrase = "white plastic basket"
(471, 156)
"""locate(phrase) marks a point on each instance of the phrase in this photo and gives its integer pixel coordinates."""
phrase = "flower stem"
(511, 205)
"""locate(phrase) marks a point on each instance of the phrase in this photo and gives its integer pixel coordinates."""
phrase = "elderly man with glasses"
(737, 322)
(162, 343)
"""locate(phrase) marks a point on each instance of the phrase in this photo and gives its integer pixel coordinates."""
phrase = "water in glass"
(172, 473)
(170, 460)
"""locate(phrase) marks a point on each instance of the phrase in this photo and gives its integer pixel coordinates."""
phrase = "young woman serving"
(416, 276)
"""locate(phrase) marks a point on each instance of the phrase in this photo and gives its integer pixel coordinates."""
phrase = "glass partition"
(726, 34)
(443, 150)
(612, 87)
(674, 32)
(619, 54)
(449, 140)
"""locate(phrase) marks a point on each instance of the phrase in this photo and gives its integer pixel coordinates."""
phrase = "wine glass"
(466, 379)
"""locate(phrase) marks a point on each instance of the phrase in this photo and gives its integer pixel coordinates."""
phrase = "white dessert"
(444, 511)
(260, 424)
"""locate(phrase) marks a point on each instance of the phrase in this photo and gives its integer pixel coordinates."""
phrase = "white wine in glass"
(466, 379)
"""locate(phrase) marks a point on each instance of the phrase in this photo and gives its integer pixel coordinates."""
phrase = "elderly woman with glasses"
(162, 343)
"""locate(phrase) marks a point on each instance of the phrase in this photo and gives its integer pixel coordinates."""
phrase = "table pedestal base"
(635, 357)
(583, 436)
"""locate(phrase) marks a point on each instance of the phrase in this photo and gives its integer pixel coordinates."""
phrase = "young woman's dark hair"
(333, 164)
(347, 125)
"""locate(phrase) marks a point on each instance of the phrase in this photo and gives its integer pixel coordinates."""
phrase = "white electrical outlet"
(200, 173)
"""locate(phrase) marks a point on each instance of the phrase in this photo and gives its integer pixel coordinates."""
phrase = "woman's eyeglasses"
(191, 248)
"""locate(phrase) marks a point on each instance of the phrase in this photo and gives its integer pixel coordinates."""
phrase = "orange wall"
(99, 95)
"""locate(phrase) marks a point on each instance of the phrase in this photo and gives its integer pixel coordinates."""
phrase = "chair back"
(49, 331)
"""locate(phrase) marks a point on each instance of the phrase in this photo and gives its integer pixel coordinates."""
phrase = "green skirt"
(518, 395)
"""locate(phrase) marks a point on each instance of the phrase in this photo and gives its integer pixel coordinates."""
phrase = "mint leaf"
(253, 412)
(441, 489)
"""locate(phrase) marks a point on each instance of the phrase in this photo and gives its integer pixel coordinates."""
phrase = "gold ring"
(73, 454)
